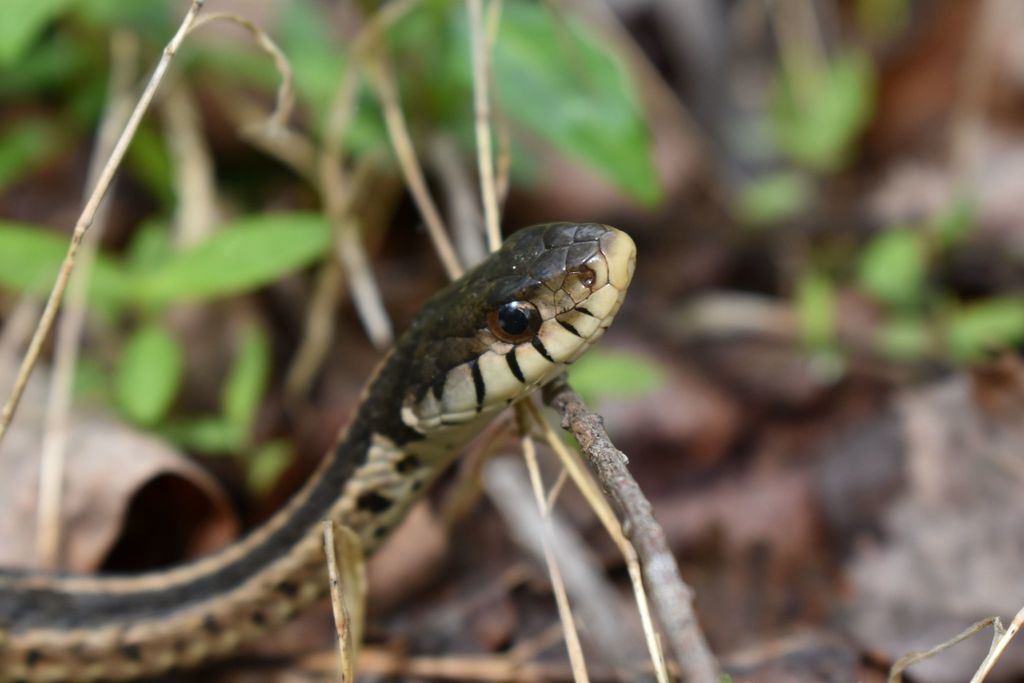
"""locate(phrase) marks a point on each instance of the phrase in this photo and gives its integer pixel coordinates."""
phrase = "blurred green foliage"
(821, 107)
(554, 78)
(148, 375)
(893, 267)
(599, 374)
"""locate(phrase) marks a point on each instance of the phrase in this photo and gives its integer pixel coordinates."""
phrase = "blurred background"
(816, 375)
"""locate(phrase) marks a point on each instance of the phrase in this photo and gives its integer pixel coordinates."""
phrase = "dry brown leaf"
(110, 469)
(953, 548)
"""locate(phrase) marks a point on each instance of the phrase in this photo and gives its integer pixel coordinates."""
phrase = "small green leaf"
(956, 223)
(819, 110)
(49, 67)
(150, 247)
(984, 327)
(882, 18)
(558, 77)
(604, 373)
(148, 375)
(150, 163)
(773, 198)
(23, 22)
(30, 257)
(816, 309)
(893, 267)
(315, 55)
(208, 435)
(267, 464)
(24, 146)
(245, 386)
(250, 253)
(904, 338)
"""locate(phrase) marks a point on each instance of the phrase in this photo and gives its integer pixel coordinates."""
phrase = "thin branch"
(998, 648)
(672, 597)
(572, 466)
(123, 54)
(88, 215)
(906, 661)
(482, 117)
(502, 481)
(384, 84)
(460, 194)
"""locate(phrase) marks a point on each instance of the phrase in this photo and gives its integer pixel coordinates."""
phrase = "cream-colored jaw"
(575, 309)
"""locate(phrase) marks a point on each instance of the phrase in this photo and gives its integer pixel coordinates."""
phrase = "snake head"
(513, 322)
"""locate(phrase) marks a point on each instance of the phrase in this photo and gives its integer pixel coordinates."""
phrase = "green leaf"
(245, 386)
(247, 254)
(31, 256)
(150, 163)
(49, 66)
(560, 79)
(820, 109)
(882, 18)
(774, 198)
(267, 464)
(24, 146)
(816, 309)
(893, 267)
(957, 222)
(23, 22)
(209, 435)
(603, 373)
(315, 55)
(148, 375)
(904, 338)
(150, 247)
(984, 327)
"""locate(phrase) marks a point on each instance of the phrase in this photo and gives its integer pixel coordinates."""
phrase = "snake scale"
(485, 341)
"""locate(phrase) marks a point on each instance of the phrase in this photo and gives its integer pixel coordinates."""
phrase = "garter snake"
(485, 341)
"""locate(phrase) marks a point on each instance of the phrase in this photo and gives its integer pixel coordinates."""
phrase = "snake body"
(483, 342)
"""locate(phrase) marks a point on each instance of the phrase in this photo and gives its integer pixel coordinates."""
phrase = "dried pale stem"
(346, 574)
(196, 212)
(285, 102)
(88, 215)
(460, 195)
(502, 484)
(482, 119)
(998, 648)
(672, 597)
(124, 51)
(903, 663)
(585, 483)
(384, 84)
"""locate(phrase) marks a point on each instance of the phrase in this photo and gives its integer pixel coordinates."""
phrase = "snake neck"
(115, 627)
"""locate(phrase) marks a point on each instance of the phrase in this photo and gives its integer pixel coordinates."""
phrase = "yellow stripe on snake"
(482, 343)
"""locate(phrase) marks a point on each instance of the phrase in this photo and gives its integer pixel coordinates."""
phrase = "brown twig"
(672, 597)
(87, 216)
(904, 662)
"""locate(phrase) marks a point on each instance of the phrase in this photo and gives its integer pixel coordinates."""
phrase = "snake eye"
(514, 321)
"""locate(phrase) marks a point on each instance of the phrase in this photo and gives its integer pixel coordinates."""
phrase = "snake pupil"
(515, 321)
